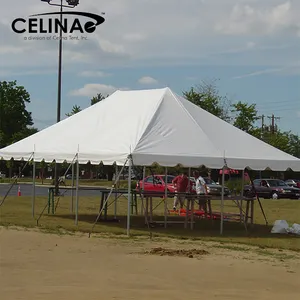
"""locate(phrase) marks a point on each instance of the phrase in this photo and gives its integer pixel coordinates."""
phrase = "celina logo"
(53, 25)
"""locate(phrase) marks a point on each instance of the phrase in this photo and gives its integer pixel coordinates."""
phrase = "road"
(26, 190)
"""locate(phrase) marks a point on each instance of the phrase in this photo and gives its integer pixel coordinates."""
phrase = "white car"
(2, 175)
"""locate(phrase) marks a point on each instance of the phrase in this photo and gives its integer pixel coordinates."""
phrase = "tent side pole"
(242, 194)
(72, 190)
(77, 193)
(116, 193)
(33, 187)
(143, 186)
(129, 196)
(166, 195)
(222, 201)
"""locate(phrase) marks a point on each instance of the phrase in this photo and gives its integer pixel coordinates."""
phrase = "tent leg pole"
(116, 194)
(33, 188)
(222, 202)
(129, 197)
(242, 194)
(190, 200)
(77, 194)
(166, 195)
(72, 190)
(143, 186)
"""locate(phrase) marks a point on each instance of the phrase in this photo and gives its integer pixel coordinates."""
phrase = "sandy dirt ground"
(35, 265)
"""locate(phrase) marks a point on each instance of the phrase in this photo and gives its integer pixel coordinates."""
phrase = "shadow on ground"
(202, 227)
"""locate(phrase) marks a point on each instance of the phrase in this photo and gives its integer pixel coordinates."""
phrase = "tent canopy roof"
(153, 126)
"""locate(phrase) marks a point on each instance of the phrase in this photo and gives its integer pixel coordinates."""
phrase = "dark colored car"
(293, 182)
(272, 189)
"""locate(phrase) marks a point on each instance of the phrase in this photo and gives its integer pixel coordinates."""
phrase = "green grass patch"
(16, 211)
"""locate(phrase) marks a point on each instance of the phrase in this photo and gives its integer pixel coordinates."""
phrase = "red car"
(156, 183)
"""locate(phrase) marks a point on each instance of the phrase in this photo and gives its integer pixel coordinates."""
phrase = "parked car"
(272, 189)
(213, 188)
(156, 183)
(2, 175)
(293, 182)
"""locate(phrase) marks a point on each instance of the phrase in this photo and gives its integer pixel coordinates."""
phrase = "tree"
(41, 166)
(246, 115)
(279, 140)
(76, 109)
(15, 120)
(206, 96)
(294, 142)
(98, 98)
(23, 134)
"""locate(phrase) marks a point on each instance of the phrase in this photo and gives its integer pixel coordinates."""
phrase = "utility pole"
(71, 4)
(273, 118)
(262, 126)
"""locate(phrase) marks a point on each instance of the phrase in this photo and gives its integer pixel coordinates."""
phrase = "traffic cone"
(19, 191)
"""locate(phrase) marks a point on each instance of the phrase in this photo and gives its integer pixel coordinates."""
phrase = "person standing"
(181, 184)
(201, 190)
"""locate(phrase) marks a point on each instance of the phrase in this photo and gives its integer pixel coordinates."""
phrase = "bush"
(235, 185)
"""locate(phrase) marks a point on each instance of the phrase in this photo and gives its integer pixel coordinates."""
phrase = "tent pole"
(189, 202)
(166, 195)
(77, 187)
(242, 194)
(143, 186)
(72, 190)
(129, 196)
(33, 186)
(222, 201)
(116, 194)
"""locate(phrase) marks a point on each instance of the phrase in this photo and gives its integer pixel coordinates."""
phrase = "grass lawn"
(17, 211)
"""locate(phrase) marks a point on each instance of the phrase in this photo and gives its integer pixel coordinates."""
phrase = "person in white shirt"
(201, 189)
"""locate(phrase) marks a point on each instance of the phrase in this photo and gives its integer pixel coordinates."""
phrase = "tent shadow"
(202, 227)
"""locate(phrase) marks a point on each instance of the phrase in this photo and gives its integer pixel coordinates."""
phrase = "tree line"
(16, 122)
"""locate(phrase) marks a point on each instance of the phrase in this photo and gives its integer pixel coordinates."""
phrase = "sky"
(249, 48)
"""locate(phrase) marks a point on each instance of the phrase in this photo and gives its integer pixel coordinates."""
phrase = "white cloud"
(134, 37)
(285, 70)
(259, 20)
(27, 72)
(109, 47)
(91, 89)
(183, 26)
(93, 74)
(147, 80)
(6, 49)
(261, 72)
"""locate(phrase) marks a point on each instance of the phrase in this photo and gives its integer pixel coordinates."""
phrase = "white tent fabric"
(152, 126)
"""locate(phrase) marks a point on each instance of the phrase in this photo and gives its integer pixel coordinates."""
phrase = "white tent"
(147, 126)
(151, 126)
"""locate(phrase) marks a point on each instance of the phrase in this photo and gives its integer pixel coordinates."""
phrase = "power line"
(280, 109)
(279, 102)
